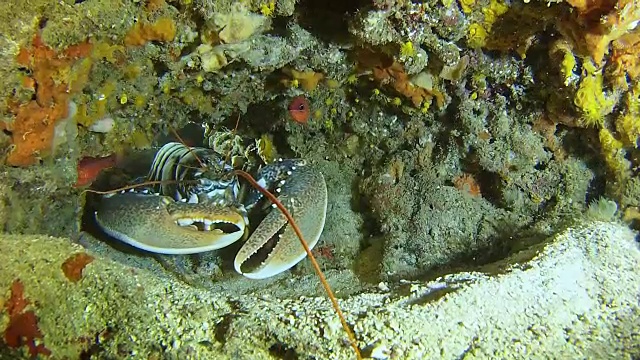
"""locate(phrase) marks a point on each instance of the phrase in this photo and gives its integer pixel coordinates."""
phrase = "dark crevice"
(491, 186)
(222, 328)
(160, 68)
(43, 22)
(283, 351)
(328, 19)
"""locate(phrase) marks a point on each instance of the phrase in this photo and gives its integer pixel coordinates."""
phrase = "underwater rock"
(238, 25)
(574, 295)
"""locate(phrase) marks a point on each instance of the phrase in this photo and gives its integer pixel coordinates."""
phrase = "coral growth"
(386, 71)
(600, 22)
(53, 77)
(307, 80)
(625, 59)
(468, 184)
(628, 123)
(163, 30)
(591, 98)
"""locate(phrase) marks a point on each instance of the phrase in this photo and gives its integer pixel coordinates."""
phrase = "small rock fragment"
(103, 125)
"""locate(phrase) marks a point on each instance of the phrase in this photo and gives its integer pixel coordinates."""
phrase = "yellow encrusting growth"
(614, 155)
(466, 5)
(407, 50)
(196, 98)
(478, 32)
(268, 8)
(266, 149)
(493, 12)
(477, 36)
(447, 3)
(568, 64)
(628, 124)
(591, 98)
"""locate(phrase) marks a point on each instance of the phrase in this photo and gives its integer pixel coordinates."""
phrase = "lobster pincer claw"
(158, 224)
(273, 247)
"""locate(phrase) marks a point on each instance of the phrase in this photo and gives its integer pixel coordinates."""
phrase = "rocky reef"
(451, 134)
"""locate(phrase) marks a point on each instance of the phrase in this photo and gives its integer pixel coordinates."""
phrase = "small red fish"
(89, 168)
(299, 109)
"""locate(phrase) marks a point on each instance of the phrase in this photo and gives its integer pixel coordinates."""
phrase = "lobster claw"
(159, 224)
(273, 247)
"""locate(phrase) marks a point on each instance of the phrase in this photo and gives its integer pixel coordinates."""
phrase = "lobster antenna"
(305, 245)
(134, 186)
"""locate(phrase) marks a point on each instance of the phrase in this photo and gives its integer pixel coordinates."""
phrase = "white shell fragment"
(103, 125)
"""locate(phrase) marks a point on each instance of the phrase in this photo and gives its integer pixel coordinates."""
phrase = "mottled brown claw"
(159, 224)
(274, 247)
